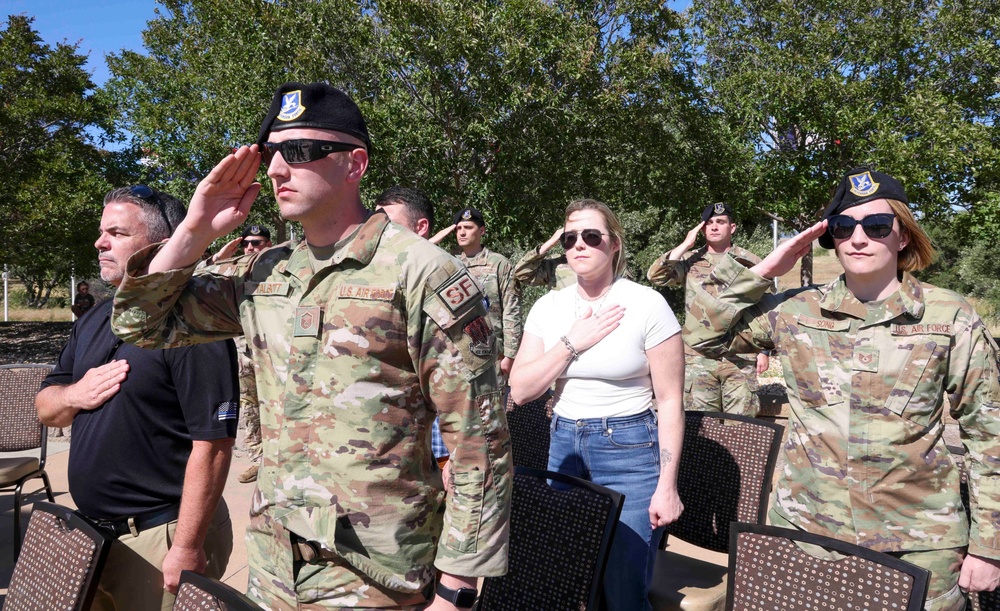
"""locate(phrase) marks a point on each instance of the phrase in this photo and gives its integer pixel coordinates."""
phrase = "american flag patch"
(228, 410)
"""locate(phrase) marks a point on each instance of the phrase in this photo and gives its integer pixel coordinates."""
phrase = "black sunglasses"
(304, 150)
(876, 226)
(149, 196)
(591, 237)
(253, 242)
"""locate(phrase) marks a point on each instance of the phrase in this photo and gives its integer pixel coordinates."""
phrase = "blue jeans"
(622, 454)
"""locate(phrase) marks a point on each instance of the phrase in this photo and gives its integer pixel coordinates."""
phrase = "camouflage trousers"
(251, 420)
(249, 406)
(945, 566)
(278, 582)
(725, 385)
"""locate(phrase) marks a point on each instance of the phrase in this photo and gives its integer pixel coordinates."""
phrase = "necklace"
(594, 309)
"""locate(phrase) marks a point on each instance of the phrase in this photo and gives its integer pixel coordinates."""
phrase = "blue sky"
(100, 26)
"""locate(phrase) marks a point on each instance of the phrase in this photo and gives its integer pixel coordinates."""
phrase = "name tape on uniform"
(266, 288)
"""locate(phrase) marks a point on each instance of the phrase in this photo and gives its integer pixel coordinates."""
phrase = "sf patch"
(484, 340)
(459, 292)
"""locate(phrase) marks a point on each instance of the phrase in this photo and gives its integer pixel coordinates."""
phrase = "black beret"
(859, 186)
(717, 209)
(469, 214)
(313, 105)
(258, 230)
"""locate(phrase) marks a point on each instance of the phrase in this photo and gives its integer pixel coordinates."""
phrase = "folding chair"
(199, 593)
(21, 430)
(727, 462)
(60, 564)
(530, 431)
(560, 536)
(769, 572)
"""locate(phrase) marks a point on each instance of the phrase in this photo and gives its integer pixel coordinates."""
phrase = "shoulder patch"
(458, 292)
(484, 339)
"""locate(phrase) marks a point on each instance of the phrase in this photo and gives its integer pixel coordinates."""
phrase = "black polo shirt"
(127, 457)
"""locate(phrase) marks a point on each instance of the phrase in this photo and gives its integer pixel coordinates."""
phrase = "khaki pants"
(132, 580)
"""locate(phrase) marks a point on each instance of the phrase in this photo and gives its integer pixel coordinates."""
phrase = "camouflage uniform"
(867, 388)
(353, 358)
(535, 269)
(727, 384)
(249, 408)
(495, 275)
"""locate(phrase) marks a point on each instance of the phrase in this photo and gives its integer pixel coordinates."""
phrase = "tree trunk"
(806, 271)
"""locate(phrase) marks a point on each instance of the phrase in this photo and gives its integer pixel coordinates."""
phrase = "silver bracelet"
(573, 354)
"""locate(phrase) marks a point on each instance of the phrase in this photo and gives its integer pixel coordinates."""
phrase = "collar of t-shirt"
(319, 256)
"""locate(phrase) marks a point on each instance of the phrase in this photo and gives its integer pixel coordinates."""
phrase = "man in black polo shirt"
(153, 430)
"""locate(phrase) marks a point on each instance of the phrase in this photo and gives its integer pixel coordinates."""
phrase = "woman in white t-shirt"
(613, 349)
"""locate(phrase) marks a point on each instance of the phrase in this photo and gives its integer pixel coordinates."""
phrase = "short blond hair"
(919, 252)
(619, 262)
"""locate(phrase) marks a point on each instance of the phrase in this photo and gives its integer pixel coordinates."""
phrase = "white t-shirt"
(611, 378)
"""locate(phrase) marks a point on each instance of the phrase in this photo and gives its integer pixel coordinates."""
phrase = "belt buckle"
(110, 525)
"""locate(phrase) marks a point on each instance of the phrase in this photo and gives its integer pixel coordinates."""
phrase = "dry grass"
(40, 315)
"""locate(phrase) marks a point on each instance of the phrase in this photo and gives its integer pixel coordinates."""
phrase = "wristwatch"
(463, 598)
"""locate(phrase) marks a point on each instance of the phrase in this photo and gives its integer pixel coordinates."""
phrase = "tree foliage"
(816, 88)
(54, 174)
(514, 107)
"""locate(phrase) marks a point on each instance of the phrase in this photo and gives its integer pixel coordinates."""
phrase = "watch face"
(465, 597)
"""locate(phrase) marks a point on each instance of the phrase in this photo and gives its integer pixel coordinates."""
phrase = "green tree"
(514, 107)
(54, 173)
(815, 88)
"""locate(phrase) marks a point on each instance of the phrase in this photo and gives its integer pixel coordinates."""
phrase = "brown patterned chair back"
(560, 536)
(530, 430)
(768, 571)
(18, 386)
(22, 430)
(725, 475)
(60, 562)
(199, 593)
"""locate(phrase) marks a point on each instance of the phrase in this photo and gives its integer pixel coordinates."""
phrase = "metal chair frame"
(523, 420)
(920, 576)
(692, 426)
(18, 596)
(616, 500)
(710, 504)
(229, 598)
(17, 444)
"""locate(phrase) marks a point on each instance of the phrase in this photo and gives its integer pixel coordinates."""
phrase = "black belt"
(118, 527)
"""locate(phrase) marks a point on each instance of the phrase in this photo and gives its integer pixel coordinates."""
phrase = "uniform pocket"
(463, 520)
(819, 349)
(918, 364)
